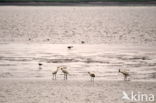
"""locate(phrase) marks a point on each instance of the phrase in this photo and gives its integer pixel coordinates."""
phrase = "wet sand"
(50, 91)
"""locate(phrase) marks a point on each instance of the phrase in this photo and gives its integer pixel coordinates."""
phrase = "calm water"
(21, 61)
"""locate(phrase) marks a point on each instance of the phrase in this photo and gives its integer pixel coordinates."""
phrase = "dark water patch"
(152, 69)
(141, 64)
(106, 76)
(125, 57)
(6, 75)
(133, 57)
(109, 55)
(90, 60)
(151, 53)
(51, 55)
(134, 65)
(61, 60)
(71, 60)
(13, 69)
(115, 65)
(152, 75)
(111, 72)
(38, 76)
(119, 63)
(144, 76)
(16, 58)
(151, 64)
(81, 72)
(3, 43)
(7, 65)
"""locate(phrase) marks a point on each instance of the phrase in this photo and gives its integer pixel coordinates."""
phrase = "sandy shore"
(72, 91)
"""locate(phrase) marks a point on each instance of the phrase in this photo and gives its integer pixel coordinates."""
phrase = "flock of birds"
(92, 75)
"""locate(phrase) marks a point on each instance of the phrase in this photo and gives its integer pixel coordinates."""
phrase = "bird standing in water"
(65, 72)
(82, 42)
(54, 73)
(125, 73)
(92, 75)
(70, 47)
(40, 66)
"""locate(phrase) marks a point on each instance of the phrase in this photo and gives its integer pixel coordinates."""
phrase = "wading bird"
(40, 66)
(92, 75)
(48, 39)
(70, 47)
(65, 72)
(82, 42)
(54, 73)
(125, 73)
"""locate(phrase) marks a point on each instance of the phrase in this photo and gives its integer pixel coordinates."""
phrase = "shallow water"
(28, 35)
(21, 61)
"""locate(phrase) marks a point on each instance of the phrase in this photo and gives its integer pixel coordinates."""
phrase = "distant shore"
(150, 3)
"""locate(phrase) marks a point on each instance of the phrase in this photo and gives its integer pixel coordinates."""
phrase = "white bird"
(92, 75)
(55, 72)
(65, 72)
(125, 73)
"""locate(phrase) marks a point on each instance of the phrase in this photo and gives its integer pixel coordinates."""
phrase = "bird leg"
(125, 78)
(66, 77)
(92, 79)
(129, 78)
(55, 76)
(40, 68)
